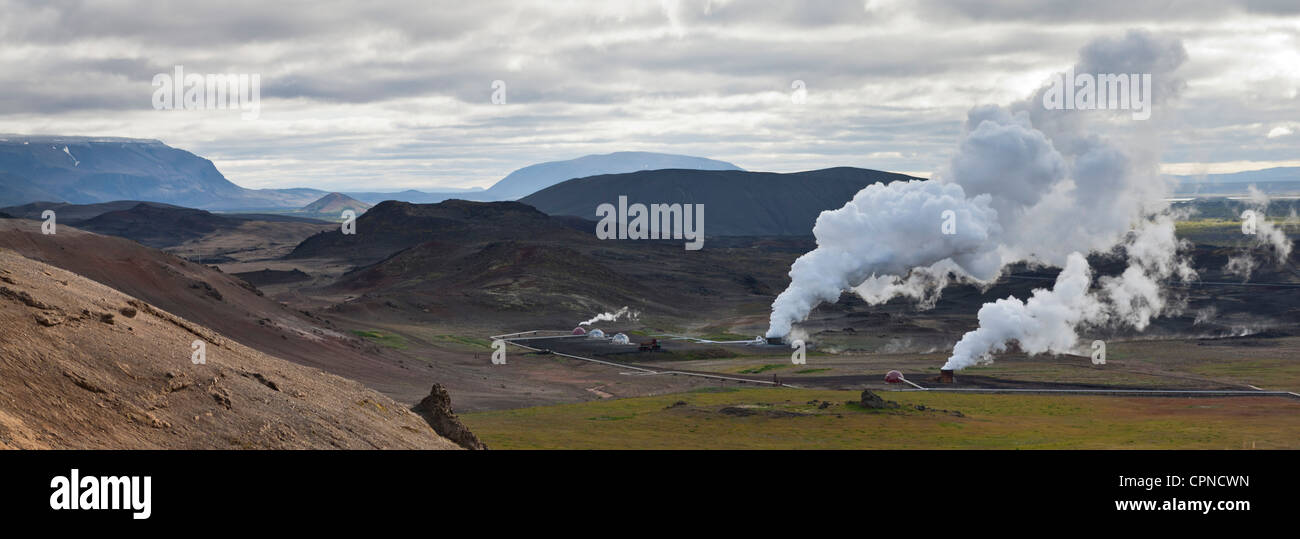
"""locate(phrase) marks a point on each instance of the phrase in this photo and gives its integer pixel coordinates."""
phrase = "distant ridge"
(1272, 181)
(737, 202)
(533, 178)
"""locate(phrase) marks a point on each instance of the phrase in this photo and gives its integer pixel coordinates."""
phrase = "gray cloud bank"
(397, 94)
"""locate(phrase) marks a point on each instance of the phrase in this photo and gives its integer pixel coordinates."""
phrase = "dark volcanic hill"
(736, 203)
(72, 214)
(162, 226)
(393, 226)
(266, 277)
(494, 260)
(158, 226)
(85, 170)
(75, 213)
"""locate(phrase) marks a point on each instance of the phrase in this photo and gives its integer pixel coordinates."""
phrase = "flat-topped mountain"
(533, 178)
(87, 170)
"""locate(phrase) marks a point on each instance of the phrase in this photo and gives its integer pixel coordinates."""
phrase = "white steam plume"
(886, 230)
(1268, 235)
(610, 317)
(1049, 321)
(1045, 323)
(1028, 184)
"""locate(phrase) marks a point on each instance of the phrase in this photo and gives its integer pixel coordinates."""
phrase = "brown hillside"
(219, 301)
(85, 366)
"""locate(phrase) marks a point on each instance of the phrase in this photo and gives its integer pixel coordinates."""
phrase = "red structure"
(579, 331)
(894, 377)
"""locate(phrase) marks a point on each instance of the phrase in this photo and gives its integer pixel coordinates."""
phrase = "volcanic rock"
(873, 401)
(436, 410)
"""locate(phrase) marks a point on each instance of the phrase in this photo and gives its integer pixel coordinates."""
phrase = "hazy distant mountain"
(1273, 181)
(87, 170)
(737, 203)
(1275, 174)
(533, 178)
(334, 204)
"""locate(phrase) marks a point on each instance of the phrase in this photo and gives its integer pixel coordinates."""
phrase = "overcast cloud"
(394, 95)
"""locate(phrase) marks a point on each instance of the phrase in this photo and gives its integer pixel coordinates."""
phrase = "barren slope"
(219, 301)
(85, 366)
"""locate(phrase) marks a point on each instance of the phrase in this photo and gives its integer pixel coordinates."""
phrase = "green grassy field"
(382, 338)
(790, 419)
(464, 341)
(1267, 373)
(764, 368)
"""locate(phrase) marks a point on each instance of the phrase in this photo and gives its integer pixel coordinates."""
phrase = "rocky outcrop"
(436, 409)
(872, 401)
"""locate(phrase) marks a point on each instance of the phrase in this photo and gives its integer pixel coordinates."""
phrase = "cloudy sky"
(394, 95)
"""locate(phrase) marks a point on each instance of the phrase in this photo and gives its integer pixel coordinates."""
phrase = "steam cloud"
(1267, 235)
(1028, 184)
(610, 317)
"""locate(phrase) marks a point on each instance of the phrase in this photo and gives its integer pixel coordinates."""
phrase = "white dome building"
(596, 334)
(620, 338)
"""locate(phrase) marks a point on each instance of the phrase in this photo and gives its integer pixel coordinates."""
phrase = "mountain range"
(95, 170)
(92, 170)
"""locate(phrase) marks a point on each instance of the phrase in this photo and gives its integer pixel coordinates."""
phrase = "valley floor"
(401, 340)
(818, 419)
